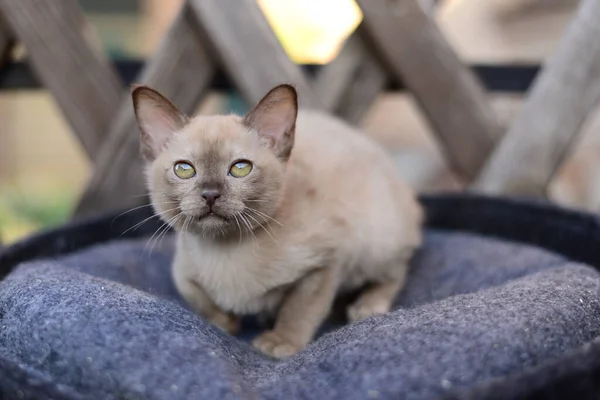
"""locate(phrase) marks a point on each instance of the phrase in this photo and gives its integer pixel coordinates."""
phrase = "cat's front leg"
(302, 311)
(202, 304)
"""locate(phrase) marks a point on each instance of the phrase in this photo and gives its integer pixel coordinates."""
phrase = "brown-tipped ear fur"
(274, 119)
(158, 119)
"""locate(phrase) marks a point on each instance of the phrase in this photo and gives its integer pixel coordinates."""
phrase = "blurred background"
(43, 168)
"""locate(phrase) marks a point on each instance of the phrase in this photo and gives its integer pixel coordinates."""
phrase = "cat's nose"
(210, 196)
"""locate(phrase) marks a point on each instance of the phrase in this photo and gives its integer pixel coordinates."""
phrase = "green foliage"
(42, 211)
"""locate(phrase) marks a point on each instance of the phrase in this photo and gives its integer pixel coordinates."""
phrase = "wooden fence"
(398, 41)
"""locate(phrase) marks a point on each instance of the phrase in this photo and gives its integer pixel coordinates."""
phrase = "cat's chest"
(240, 278)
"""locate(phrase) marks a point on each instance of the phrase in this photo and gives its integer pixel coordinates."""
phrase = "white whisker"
(167, 230)
(239, 228)
(162, 228)
(249, 226)
(131, 210)
(142, 206)
(187, 223)
(147, 219)
(262, 214)
(263, 227)
(151, 237)
(161, 235)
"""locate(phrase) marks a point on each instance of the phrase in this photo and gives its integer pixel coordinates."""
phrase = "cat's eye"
(240, 169)
(184, 170)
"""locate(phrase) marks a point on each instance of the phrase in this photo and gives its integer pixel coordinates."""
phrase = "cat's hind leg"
(377, 298)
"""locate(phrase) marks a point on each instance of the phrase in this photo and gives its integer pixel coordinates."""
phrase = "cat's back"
(331, 139)
(337, 156)
(342, 182)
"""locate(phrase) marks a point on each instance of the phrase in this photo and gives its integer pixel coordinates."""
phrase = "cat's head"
(216, 175)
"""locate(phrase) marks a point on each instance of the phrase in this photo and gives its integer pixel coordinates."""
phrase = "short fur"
(322, 211)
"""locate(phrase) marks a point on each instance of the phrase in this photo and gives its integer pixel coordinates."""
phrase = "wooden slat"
(182, 70)
(61, 50)
(452, 99)
(370, 79)
(369, 82)
(6, 42)
(428, 5)
(350, 84)
(249, 51)
(333, 79)
(566, 91)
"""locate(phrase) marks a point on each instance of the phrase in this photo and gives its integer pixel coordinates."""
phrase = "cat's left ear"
(158, 120)
(274, 119)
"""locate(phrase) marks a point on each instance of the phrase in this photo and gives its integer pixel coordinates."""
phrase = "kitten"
(276, 212)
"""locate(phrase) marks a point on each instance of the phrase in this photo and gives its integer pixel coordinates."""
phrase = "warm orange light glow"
(311, 31)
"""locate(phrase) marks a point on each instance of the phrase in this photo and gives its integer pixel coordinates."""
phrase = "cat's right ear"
(274, 119)
(158, 119)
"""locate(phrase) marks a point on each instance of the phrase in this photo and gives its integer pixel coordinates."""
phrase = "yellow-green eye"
(240, 169)
(184, 170)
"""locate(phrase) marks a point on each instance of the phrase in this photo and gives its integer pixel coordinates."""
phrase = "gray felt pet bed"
(502, 302)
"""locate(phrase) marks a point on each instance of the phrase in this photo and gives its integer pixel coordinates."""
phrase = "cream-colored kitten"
(277, 212)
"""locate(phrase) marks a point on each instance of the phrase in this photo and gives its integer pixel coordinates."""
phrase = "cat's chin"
(211, 216)
(211, 225)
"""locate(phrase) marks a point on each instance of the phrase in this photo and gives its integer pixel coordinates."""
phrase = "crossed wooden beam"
(397, 40)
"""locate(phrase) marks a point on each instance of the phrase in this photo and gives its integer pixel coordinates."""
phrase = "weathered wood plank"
(248, 49)
(450, 96)
(6, 42)
(349, 85)
(369, 80)
(566, 91)
(428, 5)
(333, 79)
(182, 70)
(61, 50)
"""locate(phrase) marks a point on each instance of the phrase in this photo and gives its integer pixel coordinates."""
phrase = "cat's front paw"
(276, 345)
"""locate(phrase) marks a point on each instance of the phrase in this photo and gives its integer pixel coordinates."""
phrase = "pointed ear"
(274, 119)
(158, 120)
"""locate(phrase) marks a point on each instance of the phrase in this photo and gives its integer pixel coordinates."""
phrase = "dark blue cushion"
(503, 301)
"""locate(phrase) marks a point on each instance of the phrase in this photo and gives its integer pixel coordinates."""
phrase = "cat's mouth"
(212, 214)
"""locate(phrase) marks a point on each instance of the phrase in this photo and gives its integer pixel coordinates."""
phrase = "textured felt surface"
(477, 313)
